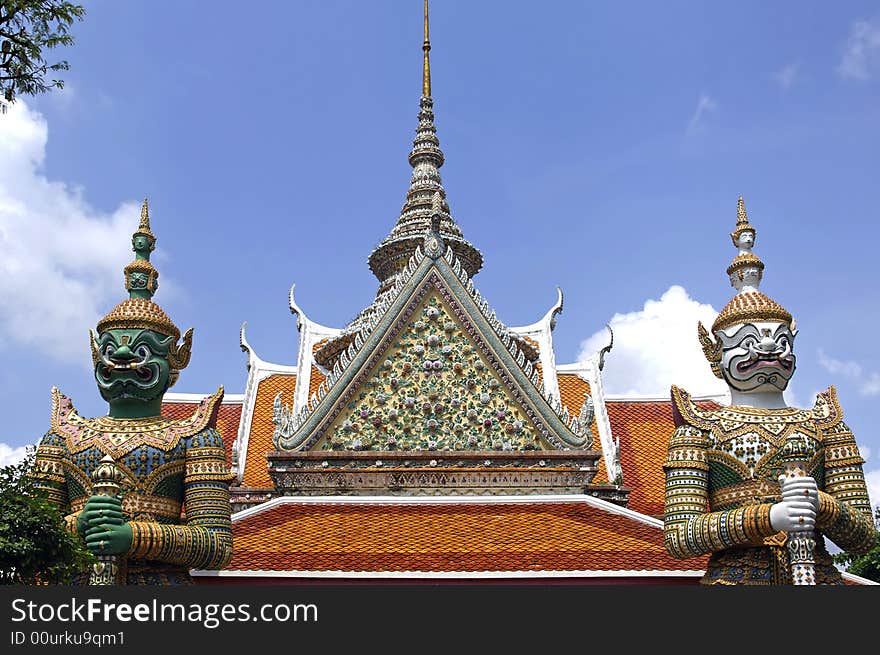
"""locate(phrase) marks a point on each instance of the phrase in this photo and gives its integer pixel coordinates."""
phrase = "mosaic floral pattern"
(433, 391)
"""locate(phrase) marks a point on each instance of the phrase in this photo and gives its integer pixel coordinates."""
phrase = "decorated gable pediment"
(436, 372)
(433, 394)
(433, 388)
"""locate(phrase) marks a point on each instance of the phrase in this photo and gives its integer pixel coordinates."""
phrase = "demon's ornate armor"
(173, 509)
(724, 465)
(723, 473)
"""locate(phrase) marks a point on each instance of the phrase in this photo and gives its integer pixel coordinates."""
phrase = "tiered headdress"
(746, 272)
(139, 311)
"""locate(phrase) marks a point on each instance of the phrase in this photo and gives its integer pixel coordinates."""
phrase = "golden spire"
(145, 215)
(742, 221)
(745, 273)
(417, 213)
(741, 216)
(144, 227)
(426, 67)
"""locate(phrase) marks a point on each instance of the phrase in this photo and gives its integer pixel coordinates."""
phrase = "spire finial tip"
(426, 64)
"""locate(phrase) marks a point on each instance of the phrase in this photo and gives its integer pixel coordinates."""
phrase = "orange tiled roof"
(256, 471)
(644, 428)
(461, 536)
(315, 381)
(534, 344)
(228, 418)
(571, 392)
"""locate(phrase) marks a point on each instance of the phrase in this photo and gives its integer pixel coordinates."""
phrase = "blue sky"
(600, 147)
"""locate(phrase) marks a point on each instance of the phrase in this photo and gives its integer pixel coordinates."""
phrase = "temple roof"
(182, 405)
(532, 536)
(643, 428)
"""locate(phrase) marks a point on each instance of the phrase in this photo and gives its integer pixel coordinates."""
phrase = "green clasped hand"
(102, 525)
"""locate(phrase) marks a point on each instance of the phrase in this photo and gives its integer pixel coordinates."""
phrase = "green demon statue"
(163, 468)
(757, 485)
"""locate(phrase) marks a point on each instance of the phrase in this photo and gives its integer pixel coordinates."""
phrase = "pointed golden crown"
(138, 311)
(749, 304)
(144, 226)
(742, 221)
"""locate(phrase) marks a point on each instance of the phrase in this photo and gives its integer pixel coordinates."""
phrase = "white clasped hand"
(796, 512)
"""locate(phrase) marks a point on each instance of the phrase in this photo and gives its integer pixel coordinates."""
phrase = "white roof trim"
(310, 333)
(257, 372)
(538, 326)
(301, 315)
(858, 579)
(449, 500)
(593, 376)
(542, 332)
(588, 371)
(270, 573)
(721, 399)
(259, 573)
(175, 397)
(574, 367)
(268, 368)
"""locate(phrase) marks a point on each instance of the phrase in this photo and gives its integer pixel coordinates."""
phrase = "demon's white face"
(746, 239)
(757, 357)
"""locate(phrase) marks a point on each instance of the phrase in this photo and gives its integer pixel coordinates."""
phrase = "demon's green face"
(141, 243)
(132, 364)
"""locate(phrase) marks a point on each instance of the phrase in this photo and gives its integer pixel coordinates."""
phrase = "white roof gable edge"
(195, 398)
(310, 333)
(542, 332)
(258, 370)
(588, 371)
(720, 398)
(852, 577)
(449, 500)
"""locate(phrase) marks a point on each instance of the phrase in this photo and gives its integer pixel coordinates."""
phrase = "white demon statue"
(757, 485)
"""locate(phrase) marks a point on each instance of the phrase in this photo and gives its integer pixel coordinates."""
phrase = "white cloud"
(868, 384)
(10, 455)
(791, 398)
(787, 75)
(871, 385)
(861, 55)
(657, 347)
(60, 259)
(873, 480)
(872, 477)
(705, 105)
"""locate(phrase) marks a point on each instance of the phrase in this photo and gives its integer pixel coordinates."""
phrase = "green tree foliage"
(35, 547)
(27, 29)
(868, 565)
